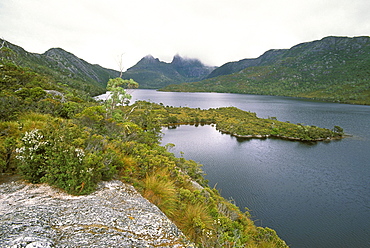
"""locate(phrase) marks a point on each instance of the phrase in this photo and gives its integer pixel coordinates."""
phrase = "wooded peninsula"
(233, 121)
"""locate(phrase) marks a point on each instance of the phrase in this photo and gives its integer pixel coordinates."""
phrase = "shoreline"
(258, 136)
(265, 136)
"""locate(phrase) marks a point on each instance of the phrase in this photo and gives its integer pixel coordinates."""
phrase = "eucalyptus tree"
(118, 94)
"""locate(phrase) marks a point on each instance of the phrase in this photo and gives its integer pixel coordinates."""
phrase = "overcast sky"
(215, 31)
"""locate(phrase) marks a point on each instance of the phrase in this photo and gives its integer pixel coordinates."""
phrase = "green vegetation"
(51, 133)
(64, 68)
(118, 96)
(333, 69)
(234, 121)
(55, 133)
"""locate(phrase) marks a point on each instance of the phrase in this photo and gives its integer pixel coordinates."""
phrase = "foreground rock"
(114, 216)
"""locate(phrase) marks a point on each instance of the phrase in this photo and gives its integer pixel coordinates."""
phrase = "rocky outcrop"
(114, 216)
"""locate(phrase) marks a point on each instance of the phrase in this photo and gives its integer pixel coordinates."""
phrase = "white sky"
(215, 31)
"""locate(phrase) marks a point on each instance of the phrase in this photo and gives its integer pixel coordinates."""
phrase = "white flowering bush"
(66, 157)
(32, 156)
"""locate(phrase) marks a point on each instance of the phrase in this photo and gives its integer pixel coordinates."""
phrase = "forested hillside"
(332, 69)
(62, 66)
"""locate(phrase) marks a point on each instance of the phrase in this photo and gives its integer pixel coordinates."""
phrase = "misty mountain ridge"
(333, 68)
(152, 73)
(149, 72)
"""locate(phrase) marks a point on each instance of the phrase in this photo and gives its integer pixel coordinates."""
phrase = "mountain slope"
(152, 73)
(69, 62)
(303, 50)
(268, 57)
(333, 69)
(64, 67)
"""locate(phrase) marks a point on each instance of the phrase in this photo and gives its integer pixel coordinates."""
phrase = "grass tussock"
(160, 190)
(196, 222)
(204, 216)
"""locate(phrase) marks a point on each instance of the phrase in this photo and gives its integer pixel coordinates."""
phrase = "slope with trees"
(61, 65)
(332, 69)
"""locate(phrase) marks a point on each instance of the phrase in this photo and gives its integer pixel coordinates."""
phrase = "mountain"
(69, 62)
(315, 48)
(63, 66)
(333, 69)
(268, 57)
(152, 73)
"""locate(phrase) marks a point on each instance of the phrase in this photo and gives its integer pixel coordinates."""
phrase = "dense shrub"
(63, 156)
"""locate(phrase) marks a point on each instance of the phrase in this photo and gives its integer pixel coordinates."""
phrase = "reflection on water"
(312, 194)
(302, 190)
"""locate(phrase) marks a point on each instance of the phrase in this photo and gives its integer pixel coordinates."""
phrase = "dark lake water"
(312, 194)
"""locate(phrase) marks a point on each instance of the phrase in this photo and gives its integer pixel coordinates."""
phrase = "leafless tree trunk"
(120, 64)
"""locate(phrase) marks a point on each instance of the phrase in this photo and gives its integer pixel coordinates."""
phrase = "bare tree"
(120, 65)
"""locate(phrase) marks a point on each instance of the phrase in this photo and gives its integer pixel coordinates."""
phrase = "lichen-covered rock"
(114, 216)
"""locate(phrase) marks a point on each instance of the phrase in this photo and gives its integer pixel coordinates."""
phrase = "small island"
(236, 122)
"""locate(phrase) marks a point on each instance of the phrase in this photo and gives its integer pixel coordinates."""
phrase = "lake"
(312, 194)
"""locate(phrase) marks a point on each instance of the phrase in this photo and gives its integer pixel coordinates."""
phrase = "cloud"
(215, 31)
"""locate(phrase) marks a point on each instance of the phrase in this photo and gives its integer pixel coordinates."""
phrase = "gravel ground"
(114, 216)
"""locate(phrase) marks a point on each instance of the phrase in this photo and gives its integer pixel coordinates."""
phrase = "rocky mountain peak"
(179, 61)
(149, 59)
(145, 62)
(150, 72)
(56, 50)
